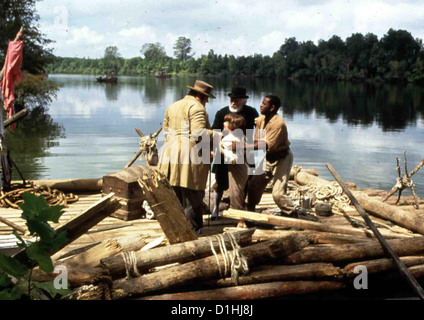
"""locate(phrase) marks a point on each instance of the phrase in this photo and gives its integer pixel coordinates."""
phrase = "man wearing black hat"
(238, 173)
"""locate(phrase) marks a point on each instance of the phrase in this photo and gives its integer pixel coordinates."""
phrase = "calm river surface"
(360, 129)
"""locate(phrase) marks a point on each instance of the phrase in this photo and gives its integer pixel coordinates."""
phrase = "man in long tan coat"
(185, 157)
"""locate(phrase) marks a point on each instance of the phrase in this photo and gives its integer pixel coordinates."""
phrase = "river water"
(89, 128)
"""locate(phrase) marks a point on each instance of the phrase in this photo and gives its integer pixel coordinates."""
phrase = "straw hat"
(203, 88)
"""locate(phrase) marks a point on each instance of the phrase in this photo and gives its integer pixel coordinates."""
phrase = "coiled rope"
(331, 193)
(234, 261)
(53, 196)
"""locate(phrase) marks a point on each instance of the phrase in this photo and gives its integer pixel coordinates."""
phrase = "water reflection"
(32, 139)
(112, 91)
(359, 128)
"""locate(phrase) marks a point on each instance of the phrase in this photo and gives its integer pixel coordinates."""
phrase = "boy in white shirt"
(234, 125)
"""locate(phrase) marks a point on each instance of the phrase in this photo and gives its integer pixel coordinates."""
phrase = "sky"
(84, 28)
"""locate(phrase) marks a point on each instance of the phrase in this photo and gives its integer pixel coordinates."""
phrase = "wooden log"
(76, 277)
(90, 260)
(254, 291)
(317, 237)
(206, 268)
(310, 271)
(108, 248)
(406, 219)
(383, 242)
(313, 172)
(314, 237)
(16, 117)
(166, 206)
(381, 265)
(305, 178)
(71, 185)
(79, 225)
(358, 251)
(80, 249)
(176, 253)
(303, 224)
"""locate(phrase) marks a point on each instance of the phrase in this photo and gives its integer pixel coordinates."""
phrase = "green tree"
(400, 45)
(153, 51)
(182, 49)
(15, 14)
(34, 89)
(111, 59)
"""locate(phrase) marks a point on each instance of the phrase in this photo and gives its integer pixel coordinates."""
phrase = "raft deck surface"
(112, 227)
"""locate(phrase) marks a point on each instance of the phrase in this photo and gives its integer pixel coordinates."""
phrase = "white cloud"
(231, 26)
(84, 36)
(142, 33)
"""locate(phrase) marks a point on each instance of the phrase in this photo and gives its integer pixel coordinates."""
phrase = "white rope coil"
(130, 261)
(331, 193)
(234, 262)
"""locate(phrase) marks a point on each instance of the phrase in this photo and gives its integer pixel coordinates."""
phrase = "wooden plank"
(81, 223)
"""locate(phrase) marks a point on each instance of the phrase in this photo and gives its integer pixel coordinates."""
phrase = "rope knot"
(234, 261)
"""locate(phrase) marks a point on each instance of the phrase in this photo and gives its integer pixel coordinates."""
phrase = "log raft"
(331, 248)
(206, 268)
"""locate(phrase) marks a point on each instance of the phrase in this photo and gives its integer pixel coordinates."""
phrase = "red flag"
(12, 75)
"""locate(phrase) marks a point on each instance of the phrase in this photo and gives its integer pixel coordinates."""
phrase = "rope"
(331, 193)
(52, 196)
(130, 262)
(233, 260)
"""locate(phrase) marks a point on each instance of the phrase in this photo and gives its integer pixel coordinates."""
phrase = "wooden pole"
(302, 224)
(386, 246)
(12, 225)
(129, 164)
(15, 117)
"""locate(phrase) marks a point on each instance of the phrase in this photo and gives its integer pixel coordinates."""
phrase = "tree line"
(397, 56)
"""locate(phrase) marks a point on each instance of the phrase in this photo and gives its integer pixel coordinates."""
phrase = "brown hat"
(203, 88)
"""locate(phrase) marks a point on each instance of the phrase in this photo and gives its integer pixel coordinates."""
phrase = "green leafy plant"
(15, 277)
